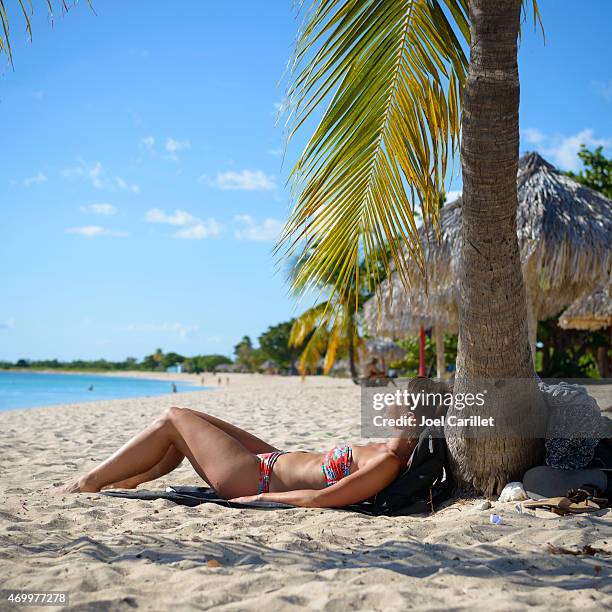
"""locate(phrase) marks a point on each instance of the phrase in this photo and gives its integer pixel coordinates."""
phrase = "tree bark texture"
(493, 324)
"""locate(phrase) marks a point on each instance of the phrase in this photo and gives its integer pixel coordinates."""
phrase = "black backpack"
(422, 486)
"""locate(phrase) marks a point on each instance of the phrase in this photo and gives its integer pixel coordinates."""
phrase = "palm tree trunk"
(351, 348)
(493, 336)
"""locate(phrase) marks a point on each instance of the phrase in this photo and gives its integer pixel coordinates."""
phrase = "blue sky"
(141, 179)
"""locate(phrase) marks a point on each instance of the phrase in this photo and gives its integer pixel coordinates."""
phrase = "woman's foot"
(81, 485)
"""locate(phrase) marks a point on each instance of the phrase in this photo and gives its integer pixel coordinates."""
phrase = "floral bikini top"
(337, 464)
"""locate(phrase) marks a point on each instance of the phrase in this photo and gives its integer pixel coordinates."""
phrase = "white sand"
(113, 554)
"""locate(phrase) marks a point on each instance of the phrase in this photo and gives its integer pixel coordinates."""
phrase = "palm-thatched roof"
(403, 312)
(592, 311)
(564, 231)
(384, 347)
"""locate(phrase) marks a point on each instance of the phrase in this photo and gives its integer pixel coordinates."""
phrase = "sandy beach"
(114, 554)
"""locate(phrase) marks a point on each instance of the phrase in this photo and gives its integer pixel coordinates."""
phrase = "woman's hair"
(434, 393)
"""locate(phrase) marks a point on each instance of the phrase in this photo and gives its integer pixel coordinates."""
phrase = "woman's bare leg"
(171, 460)
(248, 440)
(217, 457)
(173, 457)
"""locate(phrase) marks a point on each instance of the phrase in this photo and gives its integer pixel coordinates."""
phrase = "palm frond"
(306, 323)
(393, 72)
(313, 351)
(27, 10)
(334, 342)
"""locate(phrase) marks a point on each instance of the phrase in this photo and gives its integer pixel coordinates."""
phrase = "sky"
(142, 179)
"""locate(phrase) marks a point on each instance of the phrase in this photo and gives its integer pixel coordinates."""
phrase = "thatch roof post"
(440, 356)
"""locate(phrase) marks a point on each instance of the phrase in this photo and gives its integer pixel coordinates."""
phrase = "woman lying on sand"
(243, 468)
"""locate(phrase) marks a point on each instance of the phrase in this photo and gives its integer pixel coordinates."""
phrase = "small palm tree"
(326, 337)
(332, 327)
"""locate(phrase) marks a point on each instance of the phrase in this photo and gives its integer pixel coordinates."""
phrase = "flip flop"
(546, 482)
(563, 505)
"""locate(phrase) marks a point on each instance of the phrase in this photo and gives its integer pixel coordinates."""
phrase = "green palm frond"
(315, 348)
(306, 323)
(392, 71)
(334, 343)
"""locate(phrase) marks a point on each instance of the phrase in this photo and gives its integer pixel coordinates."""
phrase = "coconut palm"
(328, 337)
(398, 90)
(332, 328)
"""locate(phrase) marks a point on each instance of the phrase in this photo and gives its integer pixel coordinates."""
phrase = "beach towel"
(195, 496)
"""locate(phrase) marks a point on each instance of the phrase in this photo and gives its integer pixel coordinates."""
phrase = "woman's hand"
(303, 498)
(247, 499)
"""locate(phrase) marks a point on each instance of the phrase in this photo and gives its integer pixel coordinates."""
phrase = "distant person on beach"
(219, 381)
(227, 380)
(373, 372)
(241, 467)
(173, 388)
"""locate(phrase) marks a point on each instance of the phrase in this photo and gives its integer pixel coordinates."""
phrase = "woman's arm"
(361, 485)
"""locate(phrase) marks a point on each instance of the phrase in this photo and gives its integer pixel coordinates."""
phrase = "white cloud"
(604, 89)
(204, 229)
(566, 151)
(8, 324)
(94, 173)
(91, 231)
(532, 136)
(453, 194)
(33, 180)
(148, 142)
(276, 152)
(193, 228)
(247, 180)
(182, 330)
(105, 210)
(98, 177)
(123, 184)
(174, 147)
(180, 217)
(249, 230)
(563, 150)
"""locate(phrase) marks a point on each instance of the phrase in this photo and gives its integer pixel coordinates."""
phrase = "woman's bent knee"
(169, 414)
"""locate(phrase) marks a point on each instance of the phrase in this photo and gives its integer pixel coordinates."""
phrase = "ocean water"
(31, 389)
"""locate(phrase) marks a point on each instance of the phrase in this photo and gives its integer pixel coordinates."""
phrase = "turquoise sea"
(31, 389)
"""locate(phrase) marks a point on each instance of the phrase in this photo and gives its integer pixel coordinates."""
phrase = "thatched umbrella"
(590, 312)
(385, 348)
(564, 231)
(269, 366)
(404, 313)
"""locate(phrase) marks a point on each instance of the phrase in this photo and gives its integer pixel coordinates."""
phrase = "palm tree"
(326, 336)
(331, 328)
(398, 90)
